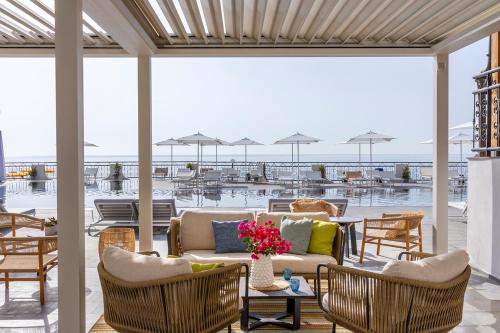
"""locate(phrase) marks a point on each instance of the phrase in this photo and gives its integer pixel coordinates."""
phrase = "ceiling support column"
(70, 191)
(440, 155)
(145, 153)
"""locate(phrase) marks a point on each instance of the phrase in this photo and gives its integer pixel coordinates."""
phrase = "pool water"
(25, 194)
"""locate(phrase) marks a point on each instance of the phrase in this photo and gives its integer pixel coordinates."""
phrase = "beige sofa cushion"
(196, 232)
(276, 217)
(133, 267)
(297, 263)
(441, 268)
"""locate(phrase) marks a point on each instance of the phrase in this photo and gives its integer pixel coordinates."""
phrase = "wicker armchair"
(202, 302)
(364, 301)
(392, 229)
(14, 221)
(28, 255)
(313, 205)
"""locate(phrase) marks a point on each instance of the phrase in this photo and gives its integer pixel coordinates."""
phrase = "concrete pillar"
(440, 155)
(145, 154)
(70, 192)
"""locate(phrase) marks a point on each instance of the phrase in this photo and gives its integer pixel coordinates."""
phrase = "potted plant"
(262, 241)
(322, 170)
(51, 226)
(117, 170)
(406, 175)
(190, 166)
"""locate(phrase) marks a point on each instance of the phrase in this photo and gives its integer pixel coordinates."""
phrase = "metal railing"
(333, 170)
(486, 123)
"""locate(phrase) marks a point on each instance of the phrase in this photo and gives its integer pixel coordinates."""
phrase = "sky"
(265, 99)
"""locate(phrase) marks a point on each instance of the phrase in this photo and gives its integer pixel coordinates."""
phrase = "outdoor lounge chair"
(312, 178)
(201, 302)
(163, 211)
(90, 173)
(402, 231)
(426, 174)
(28, 255)
(369, 302)
(212, 177)
(284, 176)
(160, 172)
(184, 176)
(230, 174)
(114, 212)
(355, 177)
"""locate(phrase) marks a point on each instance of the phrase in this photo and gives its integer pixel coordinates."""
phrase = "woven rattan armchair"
(364, 301)
(202, 302)
(402, 231)
(28, 255)
(14, 221)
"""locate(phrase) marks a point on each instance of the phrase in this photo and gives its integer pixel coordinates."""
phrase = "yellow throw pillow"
(322, 237)
(201, 267)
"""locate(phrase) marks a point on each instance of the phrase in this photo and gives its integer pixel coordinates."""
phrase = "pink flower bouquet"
(263, 239)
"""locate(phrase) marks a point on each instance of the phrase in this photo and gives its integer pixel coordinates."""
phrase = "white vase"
(261, 272)
(51, 231)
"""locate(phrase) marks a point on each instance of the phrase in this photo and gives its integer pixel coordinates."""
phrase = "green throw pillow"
(297, 233)
(322, 237)
(201, 267)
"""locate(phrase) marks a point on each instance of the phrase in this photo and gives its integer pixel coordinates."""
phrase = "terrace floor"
(20, 310)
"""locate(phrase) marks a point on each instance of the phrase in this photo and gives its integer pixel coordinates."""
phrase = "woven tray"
(277, 286)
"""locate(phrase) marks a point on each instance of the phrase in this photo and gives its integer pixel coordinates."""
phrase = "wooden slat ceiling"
(30, 23)
(304, 23)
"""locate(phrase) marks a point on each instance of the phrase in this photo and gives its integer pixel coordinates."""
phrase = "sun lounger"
(212, 177)
(426, 174)
(39, 172)
(284, 176)
(184, 176)
(125, 213)
(283, 205)
(160, 173)
(355, 177)
(312, 178)
(230, 174)
(90, 173)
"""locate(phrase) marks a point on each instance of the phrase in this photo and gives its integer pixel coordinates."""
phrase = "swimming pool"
(26, 194)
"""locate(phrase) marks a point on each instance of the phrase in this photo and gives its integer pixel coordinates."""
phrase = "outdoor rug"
(312, 319)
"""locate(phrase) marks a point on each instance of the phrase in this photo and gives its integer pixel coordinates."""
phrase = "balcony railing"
(486, 128)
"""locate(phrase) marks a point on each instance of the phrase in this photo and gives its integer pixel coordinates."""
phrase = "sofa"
(190, 236)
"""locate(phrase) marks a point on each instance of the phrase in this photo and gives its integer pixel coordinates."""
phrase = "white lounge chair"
(212, 177)
(160, 172)
(184, 175)
(230, 174)
(313, 177)
(285, 176)
(90, 173)
(426, 174)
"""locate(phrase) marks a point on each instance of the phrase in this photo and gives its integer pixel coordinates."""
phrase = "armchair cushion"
(133, 267)
(226, 236)
(440, 268)
(298, 233)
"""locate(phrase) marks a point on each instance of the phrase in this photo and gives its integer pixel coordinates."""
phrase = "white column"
(440, 155)
(70, 193)
(145, 154)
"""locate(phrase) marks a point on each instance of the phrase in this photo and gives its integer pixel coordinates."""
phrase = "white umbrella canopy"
(171, 142)
(89, 144)
(297, 139)
(198, 139)
(370, 138)
(467, 125)
(217, 142)
(246, 142)
(457, 139)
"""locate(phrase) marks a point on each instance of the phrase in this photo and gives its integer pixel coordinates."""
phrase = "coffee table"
(347, 223)
(292, 306)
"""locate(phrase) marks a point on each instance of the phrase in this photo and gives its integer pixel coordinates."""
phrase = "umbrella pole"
(371, 164)
(461, 158)
(359, 155)
(298, 161)
(216, 157)
(246, 166)
(171, 161)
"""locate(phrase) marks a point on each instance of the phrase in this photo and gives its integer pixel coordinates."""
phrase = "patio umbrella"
(198, 139)
(217, 142)
(246, 142)
(171, 142)
(297, 139)
(457, 139)
(467, 125)
(370, 138)
(88, 144)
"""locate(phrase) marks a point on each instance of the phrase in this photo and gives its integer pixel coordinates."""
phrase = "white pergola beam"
(469, 32)
(193, 17)
(28, 11)
(347, 22)
(169, 11)
(440, 155)
(70, 189)
(279, 19)
(258, 19)
(145, 153)
(20, 20)
(213, 16)
(326, 8)
(115, 18)
(300, 17)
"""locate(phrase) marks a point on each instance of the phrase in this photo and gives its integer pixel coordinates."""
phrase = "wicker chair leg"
(362, 254)
(42, 288)
(229, 330)
(6, 280)
(334, 328)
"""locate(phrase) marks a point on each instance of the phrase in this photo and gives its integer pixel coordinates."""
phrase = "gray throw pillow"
(226, 237)
(298, 233)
